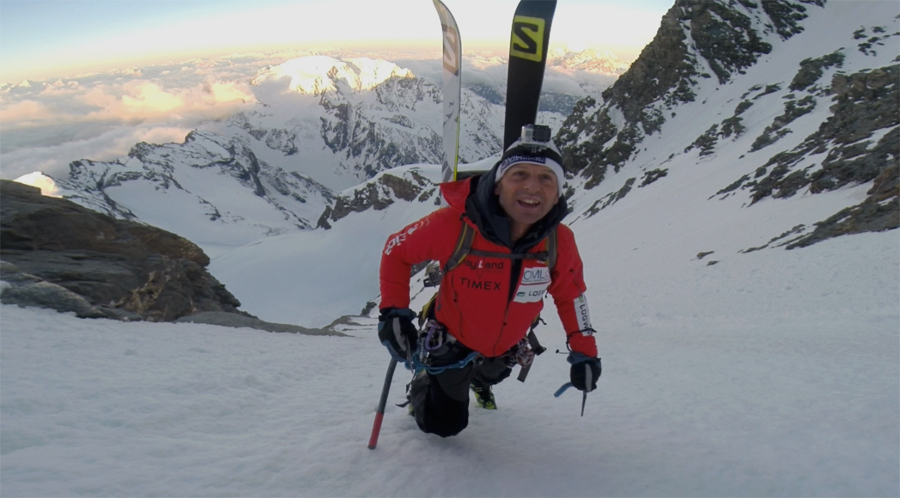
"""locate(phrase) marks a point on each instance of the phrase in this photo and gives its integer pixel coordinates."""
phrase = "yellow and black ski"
(528, 47)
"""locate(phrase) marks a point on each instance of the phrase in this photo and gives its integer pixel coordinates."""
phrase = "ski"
(528, 47)
(452, 90)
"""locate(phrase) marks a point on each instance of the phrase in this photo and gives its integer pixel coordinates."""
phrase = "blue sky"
(46, 38)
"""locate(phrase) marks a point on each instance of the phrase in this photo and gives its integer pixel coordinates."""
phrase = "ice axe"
(567, 385)
(379, 415)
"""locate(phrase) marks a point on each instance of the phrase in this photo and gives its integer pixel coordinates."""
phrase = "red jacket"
(475, 301)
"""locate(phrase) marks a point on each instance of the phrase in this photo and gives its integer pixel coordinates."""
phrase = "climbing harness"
(434, 340)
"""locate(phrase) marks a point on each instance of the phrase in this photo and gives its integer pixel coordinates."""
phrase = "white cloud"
(107, 146)
(100, 117)
(26, 112)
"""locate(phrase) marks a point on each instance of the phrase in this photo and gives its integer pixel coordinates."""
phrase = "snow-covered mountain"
(317, 75)
(211, 189)
(588, 60)
(678, 148)
(782, 118)
(778, 99)
(320, 125)
(343, 121)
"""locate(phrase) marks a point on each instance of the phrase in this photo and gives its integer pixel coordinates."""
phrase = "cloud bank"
(44, 126)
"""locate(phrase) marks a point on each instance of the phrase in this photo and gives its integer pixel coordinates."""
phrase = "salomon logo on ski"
(527, 40)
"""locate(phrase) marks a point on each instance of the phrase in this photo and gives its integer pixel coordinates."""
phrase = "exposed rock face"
(378, 194)
(865, 105)
(704, 45)
(240, 321)
(121, 269)
(693, 34)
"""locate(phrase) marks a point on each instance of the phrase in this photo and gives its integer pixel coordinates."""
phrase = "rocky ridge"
(100, 266)
(703, 47)
(379, 193)
(694, 37)
(59, 255)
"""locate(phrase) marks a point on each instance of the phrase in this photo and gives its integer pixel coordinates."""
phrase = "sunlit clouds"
(131, 101)
(45, 126)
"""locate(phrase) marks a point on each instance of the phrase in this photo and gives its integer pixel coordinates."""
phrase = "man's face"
(527, 192)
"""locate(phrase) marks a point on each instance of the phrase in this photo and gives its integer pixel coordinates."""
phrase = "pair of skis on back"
(528, 46)
(529, 43)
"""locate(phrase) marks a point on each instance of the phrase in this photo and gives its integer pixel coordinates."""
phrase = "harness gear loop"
(521, 354)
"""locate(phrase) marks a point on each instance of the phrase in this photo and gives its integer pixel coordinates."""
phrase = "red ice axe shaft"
(379, 415)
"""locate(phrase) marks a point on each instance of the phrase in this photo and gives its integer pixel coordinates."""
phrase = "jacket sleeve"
(430, 238)
(568, 288)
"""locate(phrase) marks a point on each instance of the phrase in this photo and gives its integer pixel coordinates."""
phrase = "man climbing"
(475, 328)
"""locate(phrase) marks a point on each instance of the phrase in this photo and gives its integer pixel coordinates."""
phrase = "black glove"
(585, 371)
(397, 332)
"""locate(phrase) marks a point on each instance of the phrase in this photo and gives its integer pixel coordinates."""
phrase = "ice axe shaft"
(379, 414)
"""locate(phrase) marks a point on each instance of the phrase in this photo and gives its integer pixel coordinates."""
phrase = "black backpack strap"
(552, 249)
(541, 256)
(463, 247)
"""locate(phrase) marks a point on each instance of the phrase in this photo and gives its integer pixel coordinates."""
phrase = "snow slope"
(771, 374)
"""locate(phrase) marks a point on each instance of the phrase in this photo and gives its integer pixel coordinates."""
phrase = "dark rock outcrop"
(240, 321)
(57, 252)
(378, 194)
(693, 35)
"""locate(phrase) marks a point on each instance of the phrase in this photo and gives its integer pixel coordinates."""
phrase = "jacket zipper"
(514, 276)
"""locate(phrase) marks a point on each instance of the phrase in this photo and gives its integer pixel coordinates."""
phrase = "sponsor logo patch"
(533, 285)
(535, 276)
(480, 266)
(400, 237)
(478, 284)
(582, 313)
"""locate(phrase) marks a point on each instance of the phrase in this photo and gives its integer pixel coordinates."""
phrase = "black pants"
(441, 401)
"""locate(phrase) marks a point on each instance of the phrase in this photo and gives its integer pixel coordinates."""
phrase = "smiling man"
(502, 248)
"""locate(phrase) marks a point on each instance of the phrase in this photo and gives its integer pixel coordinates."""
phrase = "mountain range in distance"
(784, 123)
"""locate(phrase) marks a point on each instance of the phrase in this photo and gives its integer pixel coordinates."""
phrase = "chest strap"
(464, 247)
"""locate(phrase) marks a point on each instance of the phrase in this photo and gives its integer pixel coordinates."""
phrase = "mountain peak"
(589, 60)
(320, 74)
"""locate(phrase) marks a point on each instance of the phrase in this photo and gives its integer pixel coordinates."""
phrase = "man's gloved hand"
(585, 371)
(397, 332)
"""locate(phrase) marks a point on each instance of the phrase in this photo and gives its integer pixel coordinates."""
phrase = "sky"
(50, 38)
